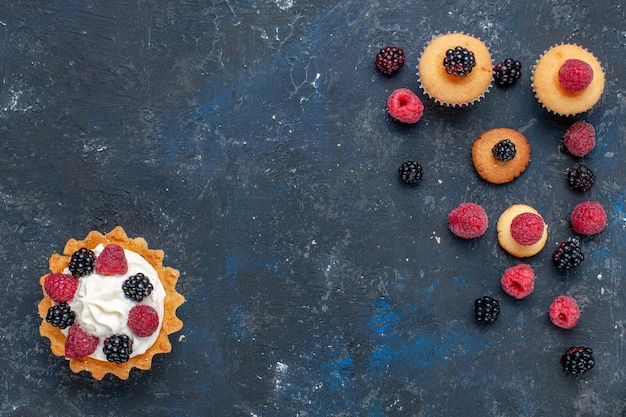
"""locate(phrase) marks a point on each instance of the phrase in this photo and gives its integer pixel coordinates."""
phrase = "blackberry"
(60, 316)
(137, 287)
(81, 263)
(578, 360)
(504, 150)
(568, 254)
(389, 60)
(486, 309)
(507, 72)
(459, 61)
(118, 348)
(410, 172)
(580, 178)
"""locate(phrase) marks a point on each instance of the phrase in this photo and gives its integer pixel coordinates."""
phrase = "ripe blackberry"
(410, 172)
(578, 360)
(504, 150)
(459, 61)
(81, 263)
(118, 348)
(507, 72)
(486, 309)
(60, 316)
(389, 60)
(580, 178)
(137, 287)
(568, 254)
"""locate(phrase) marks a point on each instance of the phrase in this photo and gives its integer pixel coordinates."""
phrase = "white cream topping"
(102, 309)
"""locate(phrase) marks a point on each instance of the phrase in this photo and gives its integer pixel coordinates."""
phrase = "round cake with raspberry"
(109, 304)
(522, 232)
(568, 79)
(455, 69)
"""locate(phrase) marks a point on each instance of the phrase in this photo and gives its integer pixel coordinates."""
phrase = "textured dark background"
(250, 141)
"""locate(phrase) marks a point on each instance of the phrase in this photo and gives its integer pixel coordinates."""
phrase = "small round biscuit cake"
(568, 79)
(507, 239)
(455, 69)
(500, 155)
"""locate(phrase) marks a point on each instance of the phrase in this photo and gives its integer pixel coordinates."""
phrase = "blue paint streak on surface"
(461, 281)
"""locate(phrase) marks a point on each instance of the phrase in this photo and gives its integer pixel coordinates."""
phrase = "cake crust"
(506, 240)
(168, 276)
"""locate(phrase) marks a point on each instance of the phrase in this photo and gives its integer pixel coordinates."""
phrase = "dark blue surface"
(250, 141)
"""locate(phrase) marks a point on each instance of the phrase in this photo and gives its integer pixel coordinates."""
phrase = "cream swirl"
(102, 309)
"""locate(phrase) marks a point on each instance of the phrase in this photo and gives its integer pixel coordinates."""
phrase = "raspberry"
(468, 220)
(143, 320)
(575, 75)
(580, 138)
(111, 261)
(507, 72)
(459, 61)
(518, 281)
(577, 360)
(60, 287)
(486, 309)
(404, 106)
(588, 218)
(580, 178)
(527, 228)
(564, 312)
(389, 60)
(79, 343)
(117, 348)
(568, 254)
(81, 262)
(410, 172)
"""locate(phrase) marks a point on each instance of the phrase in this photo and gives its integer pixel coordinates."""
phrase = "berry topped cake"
(109, 304)
(567, 79)
(455, 69)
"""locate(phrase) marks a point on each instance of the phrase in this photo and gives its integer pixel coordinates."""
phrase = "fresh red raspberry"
(580, 138)
(143, 320)
(111, 261)
(575, 75)
(518, 281)
(60, 287)
(79, 343)
(468, 220)
(588, 218)
(527, 228)
(564, 312)
(404, 106)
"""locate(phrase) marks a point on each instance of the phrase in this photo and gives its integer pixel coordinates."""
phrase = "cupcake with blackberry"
(109, 304)
(455, 69)
(568, 79)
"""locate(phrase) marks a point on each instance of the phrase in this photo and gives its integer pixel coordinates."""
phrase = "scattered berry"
(577, 360)
(575, 75)
(459, 61)
(564, 312)
(504, 150)
(389, 60)
(588, 218)
(60, 287)
(60, 315)
(507, 72)
(568, 254)
(404, 106)
(143, 320)
(580, 138)
(81, 262)
(410, 172)
(137, 287)
(118, 348)
(111, 261)
(580, 178)
(527, 228)
(468, 220)
(518, 281)
(486, 309)
(79, 343)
